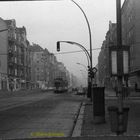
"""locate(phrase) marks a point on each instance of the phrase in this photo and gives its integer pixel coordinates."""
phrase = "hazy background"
(47, 22)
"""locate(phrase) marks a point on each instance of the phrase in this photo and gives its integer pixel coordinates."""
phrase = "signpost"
(113, 51)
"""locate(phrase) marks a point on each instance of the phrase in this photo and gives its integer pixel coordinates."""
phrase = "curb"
(78, 125)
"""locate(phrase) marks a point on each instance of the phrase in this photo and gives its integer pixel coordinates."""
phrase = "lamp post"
(90, 42)
(119, 55)
(89, 63)
(90, 39)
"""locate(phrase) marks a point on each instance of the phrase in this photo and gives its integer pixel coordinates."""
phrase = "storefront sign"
(113, 51)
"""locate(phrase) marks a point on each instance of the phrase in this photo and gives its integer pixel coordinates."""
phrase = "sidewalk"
(89, 129)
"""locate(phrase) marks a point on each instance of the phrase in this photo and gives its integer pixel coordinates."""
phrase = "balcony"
(11, 72)
(10, 62)
(10, 52)
(11, 38)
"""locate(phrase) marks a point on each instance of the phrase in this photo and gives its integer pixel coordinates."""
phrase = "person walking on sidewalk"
(116, 90)
(11, 87)
(136, 87)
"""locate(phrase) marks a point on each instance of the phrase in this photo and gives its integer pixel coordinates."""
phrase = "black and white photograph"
(70, 70)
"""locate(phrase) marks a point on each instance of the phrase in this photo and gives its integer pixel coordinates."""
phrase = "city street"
(70, 70)
(37, 115)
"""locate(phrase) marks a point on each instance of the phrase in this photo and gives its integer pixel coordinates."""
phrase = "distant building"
(45, 67)
(38, 76)
(73, 81)
(22, 65)
(104, 77)
(53, 69)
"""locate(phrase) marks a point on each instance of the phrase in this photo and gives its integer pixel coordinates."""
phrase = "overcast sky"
(47, 22)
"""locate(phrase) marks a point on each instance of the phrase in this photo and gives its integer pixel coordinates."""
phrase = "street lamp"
(92, 73)
(90, 42)
(75, 43)
(90, 39)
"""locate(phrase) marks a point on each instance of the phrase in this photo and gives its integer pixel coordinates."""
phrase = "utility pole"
(119, 54)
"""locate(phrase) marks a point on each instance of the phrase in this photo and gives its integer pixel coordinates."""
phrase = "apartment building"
(44, 67)
(104, 77)
(38, 75)
(3, 56)
(131, 37)
(15, 61)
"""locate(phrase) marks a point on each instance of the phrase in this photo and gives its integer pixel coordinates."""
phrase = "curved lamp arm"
(82, 47)
(90, 39)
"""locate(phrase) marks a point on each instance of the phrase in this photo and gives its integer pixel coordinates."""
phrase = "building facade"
(45, 67)
(25, 66)
(22, 59)
(16, 64)
(37, 66)
(104, 75)
(3, 56)
(131, 37)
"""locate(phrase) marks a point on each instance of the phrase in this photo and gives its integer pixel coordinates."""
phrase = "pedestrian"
(11, 88)
(116, 91)
(123, 91)
(136, 87)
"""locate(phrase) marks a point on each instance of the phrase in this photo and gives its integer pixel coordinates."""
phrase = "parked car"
(80, 91)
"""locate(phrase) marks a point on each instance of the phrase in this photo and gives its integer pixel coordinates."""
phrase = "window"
(129, 34)
(15, 60)
(38, 55)
(15, 48)
(15, 71)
